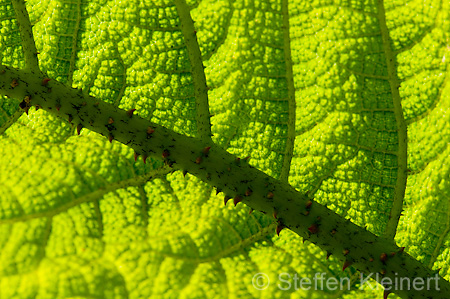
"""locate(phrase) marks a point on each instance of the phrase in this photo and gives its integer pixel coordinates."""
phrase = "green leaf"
(346, 102)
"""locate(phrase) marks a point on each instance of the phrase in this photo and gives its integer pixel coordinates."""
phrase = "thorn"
(238, 160)
(198, 160)
(58, 106)
(306, 213)
(383, 271)
(279, 228)
(165, 154)
(333, 231)
(70, 119)
(275, 214)
(45, 81)
(218, 190)
(248, 192)
(185, 173)
(308, 204)
(14, 83)
(386, 294)
(144, 158)
(206, 150)
(346, 264)
(371, 259)
(247, 158)
(250, 211)
(237, 199)
(383, 257)
(110, 138)
(110, 121)
(346, 251)
(313, 229)
(79, 127)
(270, 195)
(328, 255)
(401, 249)
(130, 113)
(226, 199)
(136, 155)
(150, 131)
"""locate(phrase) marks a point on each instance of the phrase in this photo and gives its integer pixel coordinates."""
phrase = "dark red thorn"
(386, 294)
(198, 160)
(185, 173)
(218, 191)
(275, 214)
(58, 106)
(110, 138)
(70, 119)
(308, 204)
(110, 121)
(328, 255)
(79, 127)
(248, 192)
(371, 259)
(45, 81)
(346, 264)
(250, 211)
(279, 228)
(401, 249)
(14, 83)
(165, 154)
(313, 229)
(144, 158)
(136, 155)
(130, 113)
(247, 158)
(37, 107)
(226, 199)
(346, 251)
(237, 199)
(383, 271)
(237, 161)
(150, 131)
(383, 257)
(206, 150)
(270, 195)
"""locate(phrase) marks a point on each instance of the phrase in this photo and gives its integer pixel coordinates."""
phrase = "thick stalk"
(312, 221)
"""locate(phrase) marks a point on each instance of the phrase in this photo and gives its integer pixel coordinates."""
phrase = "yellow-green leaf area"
(346, 131)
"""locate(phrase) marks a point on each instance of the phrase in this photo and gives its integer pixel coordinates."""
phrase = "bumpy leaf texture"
(311, 90)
